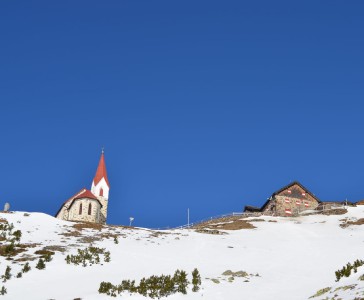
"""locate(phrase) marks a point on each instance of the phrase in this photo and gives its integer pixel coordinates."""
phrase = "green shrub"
(17, 235)
(196, 280)
(105, 287)
(19, 275)
(7, 274)
(321, 292)
(26, 268)
(153, 287)
(346, 270)
(180, 279)
(9, 249)
(88, 256)
(40, 265)
(143, 287)
(3, 291)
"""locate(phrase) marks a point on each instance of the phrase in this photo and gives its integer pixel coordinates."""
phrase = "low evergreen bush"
(196, 280)
(88, 256)
(346, 270)
(9, 249)
(26, 268)
(17, 235)
(40, 265)
(154, 286)
(7, 274)
(3, 291)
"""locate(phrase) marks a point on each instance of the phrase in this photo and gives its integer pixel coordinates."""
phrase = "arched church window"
(89, 208)
(80, 209)
(101, 192)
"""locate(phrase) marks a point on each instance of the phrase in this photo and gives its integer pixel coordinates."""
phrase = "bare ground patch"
(26, 257)
(347, 223)
(44, 252)
(30, 245)
(71, 233)
(55, 248)
(227, 223)
(210, 231)
(334, 212)
(87, 225)
(156, 234)
(89, 239)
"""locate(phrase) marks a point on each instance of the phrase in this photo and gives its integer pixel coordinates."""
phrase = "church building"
(89, 205)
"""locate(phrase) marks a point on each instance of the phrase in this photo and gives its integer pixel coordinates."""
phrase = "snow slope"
(294, 257)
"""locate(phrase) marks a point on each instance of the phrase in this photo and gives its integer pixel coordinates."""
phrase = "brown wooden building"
(288, 201)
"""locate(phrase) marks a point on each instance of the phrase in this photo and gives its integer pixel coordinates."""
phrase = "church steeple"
(101, 171)
(100, 186)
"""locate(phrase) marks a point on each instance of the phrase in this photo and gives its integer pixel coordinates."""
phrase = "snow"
(294, 257)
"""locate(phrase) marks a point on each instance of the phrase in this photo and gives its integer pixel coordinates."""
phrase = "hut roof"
(249, 208)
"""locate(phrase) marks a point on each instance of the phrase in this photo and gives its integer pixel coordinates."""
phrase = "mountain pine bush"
(88, 256)
(7, 274)
(346, 270)
(40, 265)
(3, 291)
(17, 235)
(180, 279)
(196, 280)
(153, 286)
(26, 268)
(143, 287)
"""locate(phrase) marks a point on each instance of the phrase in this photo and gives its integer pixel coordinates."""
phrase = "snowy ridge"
(294, 257)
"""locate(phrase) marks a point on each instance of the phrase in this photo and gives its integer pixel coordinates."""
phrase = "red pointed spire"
(101, 171)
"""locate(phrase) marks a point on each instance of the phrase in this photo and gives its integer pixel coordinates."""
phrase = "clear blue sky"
(207, 105)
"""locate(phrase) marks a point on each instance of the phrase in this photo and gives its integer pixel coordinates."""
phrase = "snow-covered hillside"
(286, 258)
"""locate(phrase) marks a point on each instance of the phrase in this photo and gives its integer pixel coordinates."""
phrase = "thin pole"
(188, 217)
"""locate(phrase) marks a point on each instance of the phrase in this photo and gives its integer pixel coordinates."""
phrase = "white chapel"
(86, 205)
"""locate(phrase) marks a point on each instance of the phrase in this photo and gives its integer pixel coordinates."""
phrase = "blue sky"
(207, 105)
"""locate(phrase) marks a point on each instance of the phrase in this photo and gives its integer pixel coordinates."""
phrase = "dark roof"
(300, 185)
(251, 208)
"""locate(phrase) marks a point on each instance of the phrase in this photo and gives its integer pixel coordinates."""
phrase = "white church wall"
(74, 211)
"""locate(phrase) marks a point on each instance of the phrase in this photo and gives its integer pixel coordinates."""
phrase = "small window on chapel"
(89, 208)
(80, 210)
(101, 192)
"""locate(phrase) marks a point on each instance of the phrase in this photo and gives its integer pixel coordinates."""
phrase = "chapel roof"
(83, 193)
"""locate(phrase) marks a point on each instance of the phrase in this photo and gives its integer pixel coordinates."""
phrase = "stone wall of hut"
(290, 202)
